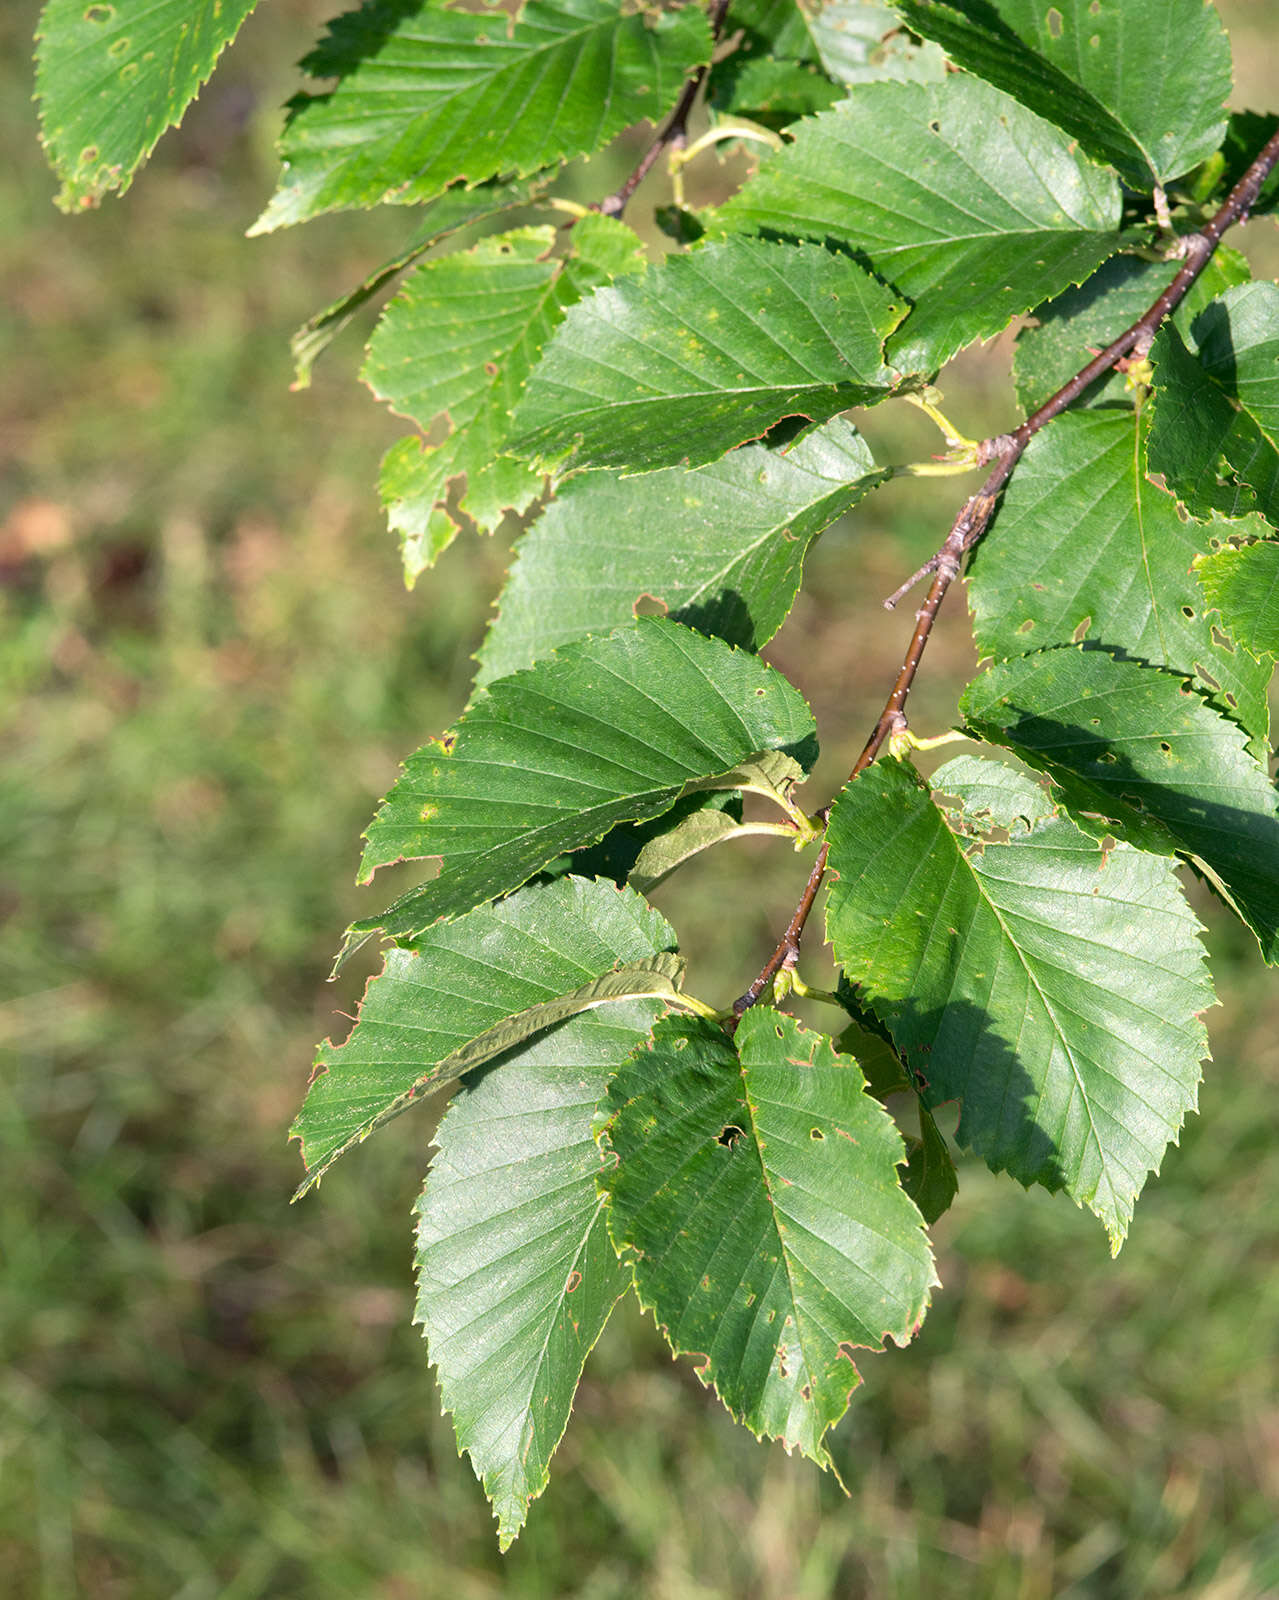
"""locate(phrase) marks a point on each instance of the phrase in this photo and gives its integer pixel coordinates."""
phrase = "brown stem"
(674, 130)
(974, 518)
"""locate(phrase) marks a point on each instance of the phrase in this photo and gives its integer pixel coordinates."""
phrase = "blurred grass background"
(210, 670)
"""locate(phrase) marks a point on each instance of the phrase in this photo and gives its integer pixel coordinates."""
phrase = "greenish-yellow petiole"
(788, 982)
(902, 741)
(679, 158)
(961, 452)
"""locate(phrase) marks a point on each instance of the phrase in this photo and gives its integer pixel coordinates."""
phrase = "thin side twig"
(974, 517)
(674, 131)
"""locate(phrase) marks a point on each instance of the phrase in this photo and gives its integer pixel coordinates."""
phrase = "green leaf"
(1215, 435)
(455, 209)
(458, 343)
(616, 854)
(427, 95)
(1072, 327)
(720, 548)
(470, 990)
(794, 59)
(1050, 985)
(1247, 132)
(756, 1194)
(1242, 585)
(113, 75)
(966, 202)
(1137, 746)
(516, 1272)
(1141, 83)
(610, 730)
(704, 352)
(930, 1178)
(992, 792)
(1084, 546)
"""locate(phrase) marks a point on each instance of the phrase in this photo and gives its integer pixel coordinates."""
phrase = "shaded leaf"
(1142, 84)
(1075, 325)
(704, 352)
(795, 58)
(1215, 433)
(606, 731)
(1242, 585)
(930, 1178)
(1084, 546)
(1198, 435)
(616, 854)
(469, 990)
(459, 341)
(455, 209)
(113, 75)
(1246, 133)
(756, 1194)
(1052, 986)
(721, 548)
(966, 202)
(516, 1272)
(1137, 746)
(428, 95)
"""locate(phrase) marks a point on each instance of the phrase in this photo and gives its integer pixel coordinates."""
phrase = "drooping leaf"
(795, 59)
(1242, 585)
(1050, 985)
(516, 1272)
(1139, 747)
(606, 731)
(966, 202)
(474, 989)
(756, 1194)
(428, 95)
(930, 1178)
(1140, 83)
(721, 548)
(1215, 434)
(1077, 324)
(1084, 546)
(455, 209)
(704, 352)
(113, 75)
(616, 854)
(459, 341)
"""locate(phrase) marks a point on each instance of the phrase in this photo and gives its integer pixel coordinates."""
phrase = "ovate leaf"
(516, 1272)
(962, 199)
(606, 731)
(721, 548)
(1052, 986)
(1242, 585)
(113, 75)
(428, 94)
(705, 352)
(1139, 747)
(1215, 435)
(484, 986)
(756, 1194)
(1140, 83)
(455, 209)
(1084, 546)
(1070, 329)
(458, 342)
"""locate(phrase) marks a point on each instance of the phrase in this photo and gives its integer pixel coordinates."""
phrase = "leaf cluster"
(1012, 934)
